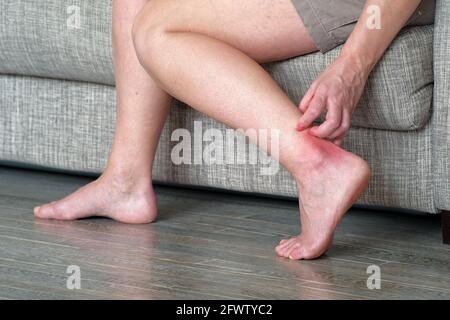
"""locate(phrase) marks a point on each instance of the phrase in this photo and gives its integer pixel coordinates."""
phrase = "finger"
(338, 141)
(306, 100)
(345, 126)
(331, 124)
(312, 113)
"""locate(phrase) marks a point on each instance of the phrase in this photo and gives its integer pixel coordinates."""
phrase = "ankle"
(126, 179)
(308, 155)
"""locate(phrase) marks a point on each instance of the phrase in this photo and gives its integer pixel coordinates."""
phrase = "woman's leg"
(205, 53)
(124, 191)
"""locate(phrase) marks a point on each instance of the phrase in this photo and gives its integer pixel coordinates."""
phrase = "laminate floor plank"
(208, 245)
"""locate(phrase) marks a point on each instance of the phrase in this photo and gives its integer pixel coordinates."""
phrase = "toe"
(285, 243)
(45, 211)
(295, 252)
(278, 251)
(52, 210)
(285, 249)
(282, 246)
(36, 210)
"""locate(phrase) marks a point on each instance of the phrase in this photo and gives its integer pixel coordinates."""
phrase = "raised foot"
(332, 183)
(109, 197)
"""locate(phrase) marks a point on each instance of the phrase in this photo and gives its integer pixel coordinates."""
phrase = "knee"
(144, 29)
(148, 29)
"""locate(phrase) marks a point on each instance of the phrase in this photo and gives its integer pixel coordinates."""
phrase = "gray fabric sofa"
(57, 103)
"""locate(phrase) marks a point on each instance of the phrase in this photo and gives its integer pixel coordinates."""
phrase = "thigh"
(266, 30)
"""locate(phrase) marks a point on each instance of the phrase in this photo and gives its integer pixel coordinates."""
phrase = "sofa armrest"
(441, 108)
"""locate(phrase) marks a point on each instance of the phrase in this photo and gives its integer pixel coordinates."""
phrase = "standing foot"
(121, 198)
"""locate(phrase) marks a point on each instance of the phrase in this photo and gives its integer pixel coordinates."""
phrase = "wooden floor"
(208, 245)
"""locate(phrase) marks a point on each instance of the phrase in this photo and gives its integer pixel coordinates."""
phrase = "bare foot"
(333, 181)
(121, 199)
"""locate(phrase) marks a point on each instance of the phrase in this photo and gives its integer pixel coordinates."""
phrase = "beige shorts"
(330, 22)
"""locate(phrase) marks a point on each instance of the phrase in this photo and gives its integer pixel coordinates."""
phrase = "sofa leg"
(446, 227)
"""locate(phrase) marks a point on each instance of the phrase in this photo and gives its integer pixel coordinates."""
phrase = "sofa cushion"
(64, 39)
(71, 39)
(69, 125)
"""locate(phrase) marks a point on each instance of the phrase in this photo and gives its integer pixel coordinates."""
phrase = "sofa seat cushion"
(72, 40)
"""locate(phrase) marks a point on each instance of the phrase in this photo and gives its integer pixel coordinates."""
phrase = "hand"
(338, 90)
